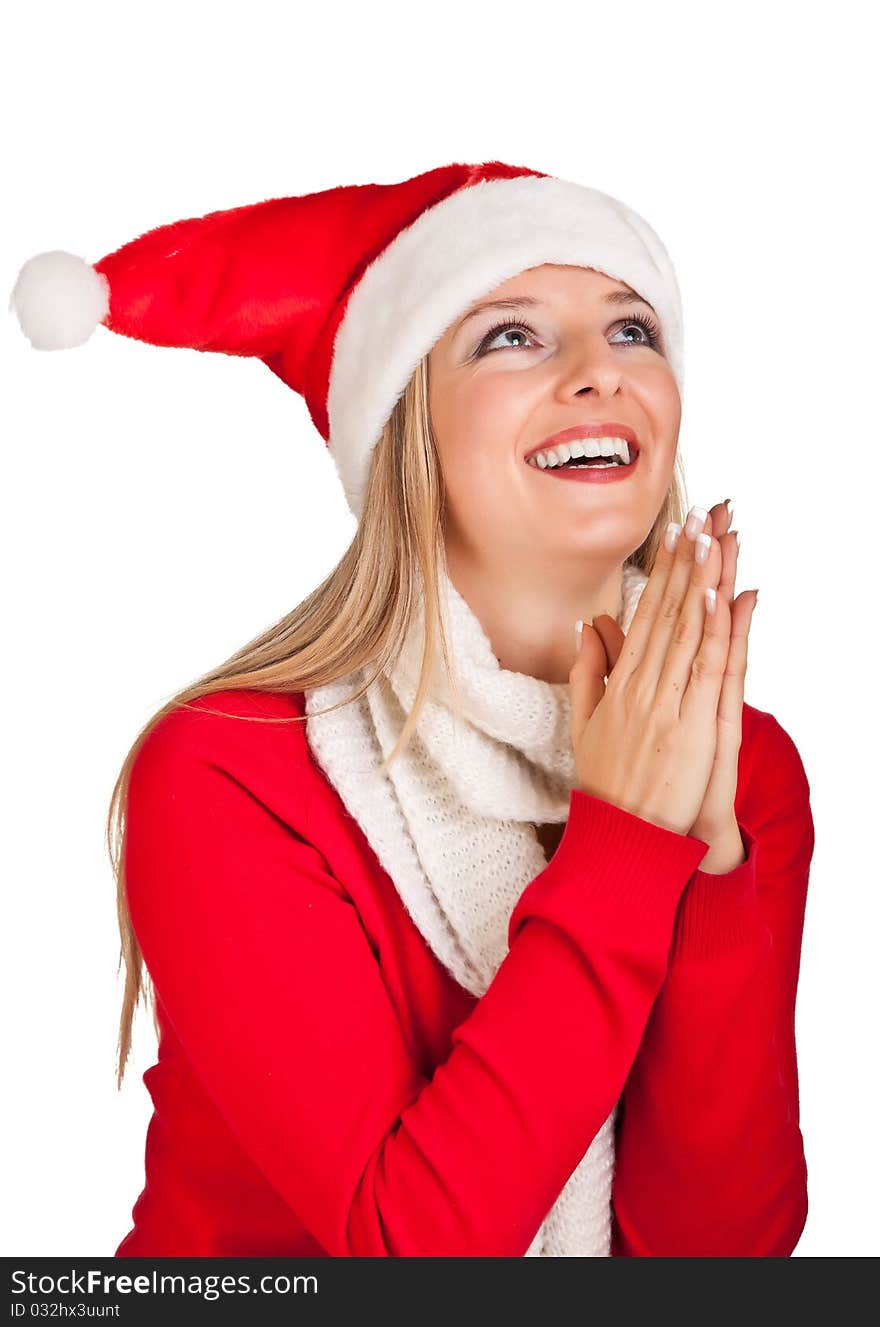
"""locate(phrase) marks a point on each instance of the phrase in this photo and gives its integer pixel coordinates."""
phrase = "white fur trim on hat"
(60, 299)
(455, 252)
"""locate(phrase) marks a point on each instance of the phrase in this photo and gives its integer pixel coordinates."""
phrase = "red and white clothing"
(323, 1085)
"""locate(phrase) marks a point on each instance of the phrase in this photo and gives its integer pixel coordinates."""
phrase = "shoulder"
(256, 738)
(226, 719)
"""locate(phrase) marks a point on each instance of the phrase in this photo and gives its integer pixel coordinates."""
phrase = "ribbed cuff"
(612, 859)
(718, 913)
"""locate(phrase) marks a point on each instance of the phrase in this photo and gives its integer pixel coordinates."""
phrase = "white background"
(161, 507)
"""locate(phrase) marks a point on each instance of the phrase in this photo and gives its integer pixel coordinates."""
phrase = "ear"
(611, 636)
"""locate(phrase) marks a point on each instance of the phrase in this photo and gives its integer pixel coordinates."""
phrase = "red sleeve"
(710, 1158)
(271, 984)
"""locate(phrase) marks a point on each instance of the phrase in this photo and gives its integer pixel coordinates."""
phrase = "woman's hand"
(648, 746)
(716, 821)
(717, 816)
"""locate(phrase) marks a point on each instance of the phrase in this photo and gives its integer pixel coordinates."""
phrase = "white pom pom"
(60, 300)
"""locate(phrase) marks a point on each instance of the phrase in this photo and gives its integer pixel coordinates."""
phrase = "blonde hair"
(356, 618)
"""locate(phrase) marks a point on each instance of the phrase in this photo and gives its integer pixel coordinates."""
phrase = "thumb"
(587, 678)
(612, 637)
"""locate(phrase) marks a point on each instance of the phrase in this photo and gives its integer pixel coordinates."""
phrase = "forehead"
(551, 284)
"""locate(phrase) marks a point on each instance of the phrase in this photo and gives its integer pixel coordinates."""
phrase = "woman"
(462, 942)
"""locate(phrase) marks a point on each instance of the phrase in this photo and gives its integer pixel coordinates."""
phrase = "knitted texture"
(453, 824)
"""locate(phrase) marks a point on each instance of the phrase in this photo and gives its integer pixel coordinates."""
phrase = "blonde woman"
(470, 895)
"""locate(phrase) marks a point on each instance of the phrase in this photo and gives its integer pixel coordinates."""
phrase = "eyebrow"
(527, 302)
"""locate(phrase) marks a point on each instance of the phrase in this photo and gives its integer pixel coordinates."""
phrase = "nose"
(590, 366)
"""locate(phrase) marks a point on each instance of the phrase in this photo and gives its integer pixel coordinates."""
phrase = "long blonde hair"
(356, 618)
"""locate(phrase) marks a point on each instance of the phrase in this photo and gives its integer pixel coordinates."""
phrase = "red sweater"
(323, 1085)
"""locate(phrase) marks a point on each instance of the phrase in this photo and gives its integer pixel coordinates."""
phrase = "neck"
(529, 622)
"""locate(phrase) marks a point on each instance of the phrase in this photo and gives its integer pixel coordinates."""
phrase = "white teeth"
(587, 447)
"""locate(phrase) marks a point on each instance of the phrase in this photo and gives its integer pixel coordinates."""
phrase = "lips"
(585, 474)
(605, 430)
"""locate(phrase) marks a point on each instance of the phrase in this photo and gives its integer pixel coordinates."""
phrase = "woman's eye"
(649, 329)
(504, 329)
(647, 334)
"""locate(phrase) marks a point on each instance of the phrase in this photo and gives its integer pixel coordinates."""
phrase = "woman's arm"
(710, 1158)
(277, 996)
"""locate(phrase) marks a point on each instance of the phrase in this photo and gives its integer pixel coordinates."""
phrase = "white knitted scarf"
(452, 822)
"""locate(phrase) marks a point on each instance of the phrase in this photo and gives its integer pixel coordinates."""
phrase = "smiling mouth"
(589, 462)
(598, 469)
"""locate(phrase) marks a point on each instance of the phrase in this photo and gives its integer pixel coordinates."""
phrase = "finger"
(700, 695)
(716, 523)
(719, 520)
(730, 701)
(678, 627)
(612, 636)
(685, 633)
(653, 601)
(729, 559)
(586, 679)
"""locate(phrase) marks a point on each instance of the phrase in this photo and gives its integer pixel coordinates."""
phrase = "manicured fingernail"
(710, 599)
(736, 532)
(728, 502)
(696, 519)
(704, 543)
(670, 539)
(578, 635)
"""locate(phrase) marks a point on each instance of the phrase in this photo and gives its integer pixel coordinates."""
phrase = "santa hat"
(343, 291)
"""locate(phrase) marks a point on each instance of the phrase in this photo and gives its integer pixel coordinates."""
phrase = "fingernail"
(670, 539)
(736, 532)
(756, 596)
(710, 599)
(578, 635)
(728, 502)
(704, 543)
(696, 519)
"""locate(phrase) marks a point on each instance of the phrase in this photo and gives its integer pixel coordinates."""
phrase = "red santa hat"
(341, 292)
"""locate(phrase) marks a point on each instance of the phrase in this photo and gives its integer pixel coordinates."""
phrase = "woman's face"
(572, 355)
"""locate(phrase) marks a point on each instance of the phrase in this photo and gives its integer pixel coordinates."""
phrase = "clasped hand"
(602, 646)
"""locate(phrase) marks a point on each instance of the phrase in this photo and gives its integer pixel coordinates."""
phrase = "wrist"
(726, 851)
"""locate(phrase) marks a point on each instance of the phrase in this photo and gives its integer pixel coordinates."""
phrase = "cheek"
(481, 422)
(662, 403)
(479, 429)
